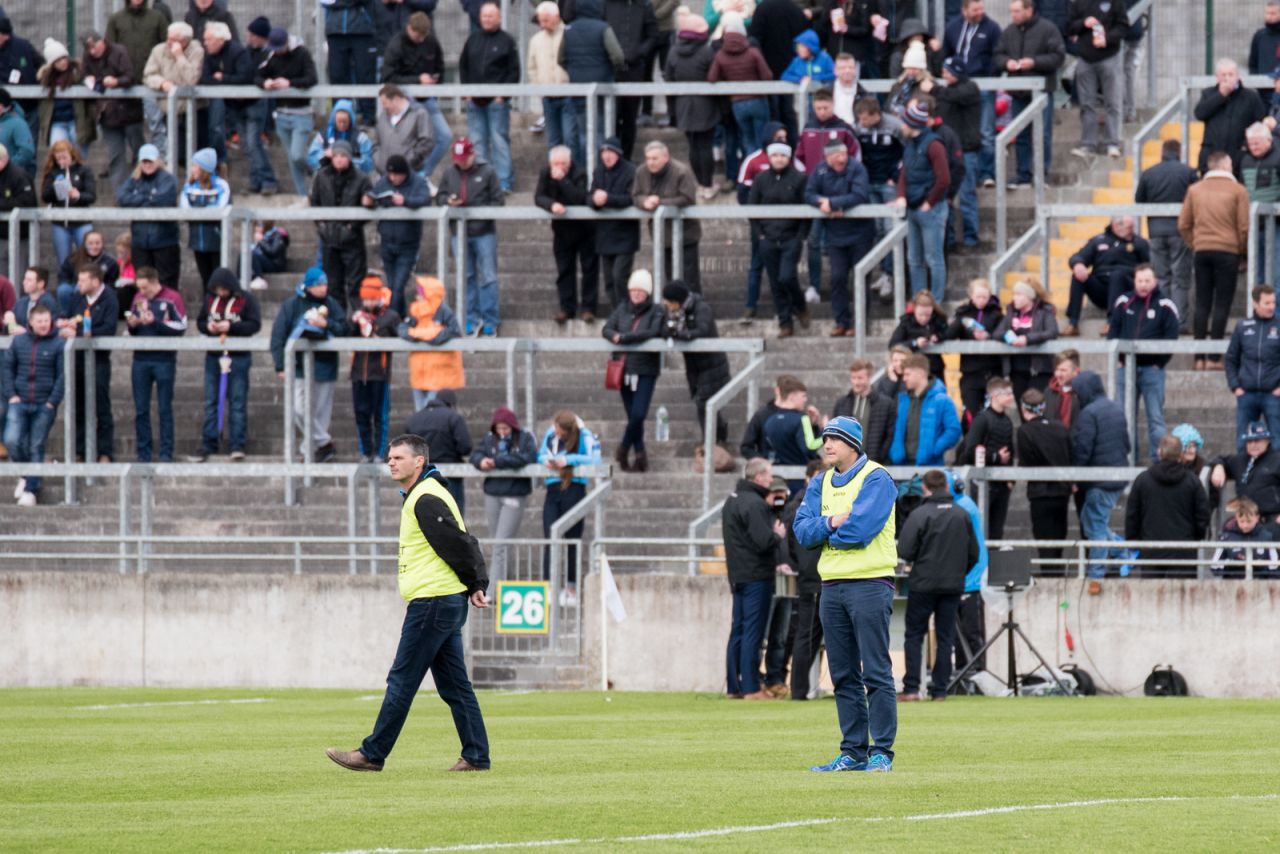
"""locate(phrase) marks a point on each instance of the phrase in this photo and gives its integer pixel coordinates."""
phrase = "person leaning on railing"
(1167, 502)
(1255, 470)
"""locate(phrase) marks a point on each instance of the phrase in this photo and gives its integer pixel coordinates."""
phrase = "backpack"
(1164, 681)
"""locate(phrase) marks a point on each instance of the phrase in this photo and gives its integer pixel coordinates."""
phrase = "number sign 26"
(523, 607)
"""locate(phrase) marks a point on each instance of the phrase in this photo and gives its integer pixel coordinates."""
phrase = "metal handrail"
(1149, 131)
(1013, 254)
(1032, 114)
(717, 402)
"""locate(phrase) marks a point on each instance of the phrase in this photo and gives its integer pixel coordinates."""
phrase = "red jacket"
(737, 60)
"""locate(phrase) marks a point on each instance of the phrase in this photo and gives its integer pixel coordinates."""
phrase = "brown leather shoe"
(622, 456)
(908, 698)
(839, 332)
(758, 695)
(804, 317)
(850, 333)
(778, 691)
(561, 318)
(464, 765)
(786, 330)
(588, 317)
(352, 760)
(641, 463)
(1072, 331)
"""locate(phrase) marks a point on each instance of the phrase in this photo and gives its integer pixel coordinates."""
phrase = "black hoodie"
(1166, 502)
(239, 306)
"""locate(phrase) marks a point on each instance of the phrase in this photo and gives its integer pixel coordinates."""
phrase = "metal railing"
(1032, 115)
(1203, 565)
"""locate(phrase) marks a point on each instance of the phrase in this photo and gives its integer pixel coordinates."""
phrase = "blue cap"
(847, 429)
(206, 159)
(148, 152)
(315, 276)
(1188, 436)
(1256, 431)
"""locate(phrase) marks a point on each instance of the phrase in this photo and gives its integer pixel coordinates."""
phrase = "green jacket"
(139, 30)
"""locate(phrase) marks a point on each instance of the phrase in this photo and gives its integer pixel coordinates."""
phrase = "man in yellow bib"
(441, 570)
(848, 514)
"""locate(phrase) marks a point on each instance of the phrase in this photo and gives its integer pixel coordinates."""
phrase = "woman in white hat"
(63, 118)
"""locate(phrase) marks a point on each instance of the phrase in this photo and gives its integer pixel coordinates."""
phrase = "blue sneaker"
(843, 762)
(489, 331)
(881, 763)
(470, 329)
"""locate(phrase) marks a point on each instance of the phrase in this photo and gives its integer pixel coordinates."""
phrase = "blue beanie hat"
(315, 276)
(847, 429)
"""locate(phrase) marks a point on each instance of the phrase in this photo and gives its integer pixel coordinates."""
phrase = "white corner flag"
(609, 591)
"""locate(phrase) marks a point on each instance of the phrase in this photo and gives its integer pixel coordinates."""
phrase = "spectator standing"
(774, 26)
(156, 311)
(404, 128)
(201, 13)
(19, 63)
(568, 443)
(430, 321)
(976, 320)
(1103, 269)
(342, 127)
(859, 552)
(752, 542)
(970, 39)
(1260, 174)
(289, 66)
(473, 183)
(837, 185)
(35, 281)
(177, 61)
(563, 183)
(490, 56)
(666, 13)
(446, 434)
(822, 128)
(67, 183)
(1227, 108)
(590, 53)
(1099, 438)
(1040, 442)
(1167, 502)
(939, 543)
(891, 383)
(617, 240)
(689, 317)
(876, 412)
(226, 63)
(339, 184)
(1097, 29)
(923, 183)
(1062, 405)
(850, 28)
(32, 384)
(107, 66)
(1029, 321)
(371, 371)
(205, 189)
(992, 431)
(15, 136)
(846, 91)
(664, 181)
(543, 68)
(350, 29)
(414, 57)
(1264, 47)
(1031, 46)
(753, 440)
(879, 137)
(504, 447)
(811, 64)
(155, 242)
(1167, 183)
(910, 81)
(399, 240)
(1253, 363)
(63, 118)
(94, 312)
(227, 311)
(635, 321)
(1215, 223)
(805, 627)
(1255, 470)
(959, 109)
(636, 27)
(924, 324)
(1145, 314)
(311, 315)
(697, 116)
(257, 114)
(779, 240)
(789, 431)
(739, 61)
(92, 251)
(925, 426)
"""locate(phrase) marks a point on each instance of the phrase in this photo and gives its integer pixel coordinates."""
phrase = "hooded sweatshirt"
(1166, 502)
(291, 322)
(361, 146)
(239, 306)
(818, 67)
(431, 321)
(738, 60)
(516, 451)
(1100, 435)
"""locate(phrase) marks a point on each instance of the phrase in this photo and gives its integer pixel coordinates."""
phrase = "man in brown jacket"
(664, 181)
(1215, 223)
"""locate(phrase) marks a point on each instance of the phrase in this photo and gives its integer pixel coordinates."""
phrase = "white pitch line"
(173, 703)
(810, 822)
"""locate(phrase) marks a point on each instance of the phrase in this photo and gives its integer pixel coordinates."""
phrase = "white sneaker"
(539, 126)
(883, 284)
(20, 488)
(569, 597)
(28, 499)
(1113, 151)
(431, 189)
(811, 295)
(258, 284)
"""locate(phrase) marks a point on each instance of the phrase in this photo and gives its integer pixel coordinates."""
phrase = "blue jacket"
(1253, 356)
(939, 428)
(846, 189)
(977, 61)
(1100, 434)
(818, 67)
(170, 313)
(361, 145)
(867, 518)
(15, 136)
(205, 236)
(23, 306)
(349, 18)
(586, 454)
(784, 442)
(403, 233)
(291, 323)
(32, 369)
(585, 59)
(976, 576)
(155, 191)
(1152, 319)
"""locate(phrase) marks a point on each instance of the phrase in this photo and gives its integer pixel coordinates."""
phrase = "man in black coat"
(689, 317)
(636, 28)
(992, 430)
(1167, 502)
(339, 184)
(1264, 48)
(774, 27)
(1096, 30)
(617, 240)
(562, 183)
(780, 240)
(1145, 314)
(1167, 183)
(959, 106)
(1103, 268)
(226, 63)
(806, 627)
(491, 56)
(1227, 108)
(1038, 443)
(448, 438)
(1253, 363)
(752, 539)
(1256, 471)
(1031, 46)
(939, 543)
(876, 412)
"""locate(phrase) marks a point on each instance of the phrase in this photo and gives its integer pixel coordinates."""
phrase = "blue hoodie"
(586, 454)
(976, 576)
(361, 145)
(1100, 433)
(867, 518)
(939, 428)
(818, 67)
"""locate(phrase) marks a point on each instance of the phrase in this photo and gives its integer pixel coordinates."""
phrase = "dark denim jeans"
(261, 174)
(100, 382)
(26, 429)
(855, 625)
(780, 261)
(742, 655)
(431, 639)
(943, 608)
(1253, 405)
(236, 406)
(636, 403)
(161, 374)
(398, 262)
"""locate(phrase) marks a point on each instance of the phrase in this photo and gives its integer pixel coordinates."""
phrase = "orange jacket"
(430, 321)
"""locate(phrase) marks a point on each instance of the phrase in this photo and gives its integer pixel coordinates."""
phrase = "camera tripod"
(1010, 628)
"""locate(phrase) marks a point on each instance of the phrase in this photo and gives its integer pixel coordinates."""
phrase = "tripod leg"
(972, 664)
(1013, 655)
(1067, 690)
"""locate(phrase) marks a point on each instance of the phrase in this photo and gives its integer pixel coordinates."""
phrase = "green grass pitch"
(632, 772)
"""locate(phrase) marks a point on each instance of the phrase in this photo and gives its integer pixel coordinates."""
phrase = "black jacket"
(1106, 253)
(772, 187)
(570, 191)
(216, 12)
(636, 324)
(1113, 17)
(333, 189)
(1044, 443)
(753, 436)
(236, 65)
(405, 59)
(1165, 183)
(370, 366)
(695, 320)
(939, 543)
(489, 58)
(478, 187)
(877, 429)
(688, 62)
(240, 307)
(78, 176)
(455, 546)
(774, 26)
(1261, 484)
(297, 67)
(515, 452)
(289, 319)
(1166, 502)
(1253, 356)
(1264, 49)
(908, 330)
(403, 233)
(1154, 318)
(751, 548)
(960, 108)
(1225, 120)
(448, 439)
(960, 330)
(1040, 40)
(1100, 435)
(1039, 325)
(636, 27)
(804, 561)
(616, 236)
(32, 368)
(993, 430)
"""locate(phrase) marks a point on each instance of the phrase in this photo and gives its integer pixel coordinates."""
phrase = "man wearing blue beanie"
(848, 514)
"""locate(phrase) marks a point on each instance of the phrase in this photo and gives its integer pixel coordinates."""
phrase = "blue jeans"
(236, 406)
(562, 127)
(855, 628)
(354, 59)
(442, 136)
(987, 160)
(751, 115)
(926, 231)
(482, 280)
(742, 656)
(1095, 524)
(59, 131)
(261, 174)
(580, 114)
(295, 133)
(26, 429)
(1151, 395)
(431, 639)
(161, 374)
(490, 130)
(817, 243)
(636, 403)
(1253, 405)
(398, 263)
(67, 240)
(1026, 155)
(967, 200)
